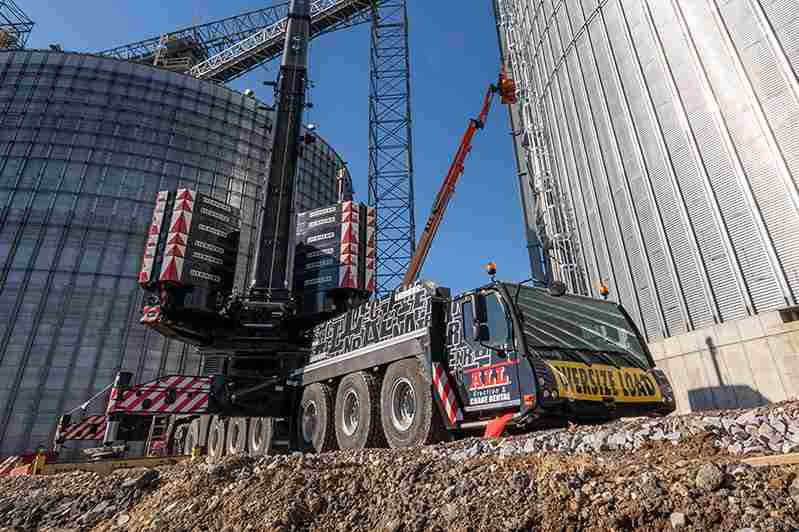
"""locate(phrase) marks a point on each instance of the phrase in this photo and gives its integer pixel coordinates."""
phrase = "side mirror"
(480, 332)
(480, 311)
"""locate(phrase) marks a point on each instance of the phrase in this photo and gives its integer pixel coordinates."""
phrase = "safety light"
(491, 268)
(529, 400)
(604, 291)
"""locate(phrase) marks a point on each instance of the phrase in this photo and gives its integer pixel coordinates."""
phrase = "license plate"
(599, 382)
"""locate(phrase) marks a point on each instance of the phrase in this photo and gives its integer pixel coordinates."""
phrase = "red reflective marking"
(158, 397)
(201, 403)
(446, 389)
(179, 393)
(171, 272)
(145, 393)
(183, 404)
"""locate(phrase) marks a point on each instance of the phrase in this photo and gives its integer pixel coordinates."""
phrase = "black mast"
(274, 253)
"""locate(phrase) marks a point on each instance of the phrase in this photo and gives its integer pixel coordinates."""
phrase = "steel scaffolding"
(390, 145)
(15, 26)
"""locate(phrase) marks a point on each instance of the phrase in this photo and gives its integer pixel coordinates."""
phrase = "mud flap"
(446, 401)
(497, 426)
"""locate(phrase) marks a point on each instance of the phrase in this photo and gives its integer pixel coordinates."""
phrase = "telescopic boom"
(274, 249)
(507, 89)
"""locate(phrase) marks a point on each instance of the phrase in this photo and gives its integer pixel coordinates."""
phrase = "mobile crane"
(417, 366)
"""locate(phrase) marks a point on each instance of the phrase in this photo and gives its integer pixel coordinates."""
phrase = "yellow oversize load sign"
(597, 382)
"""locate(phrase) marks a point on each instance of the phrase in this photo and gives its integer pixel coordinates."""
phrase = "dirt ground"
(694, 483)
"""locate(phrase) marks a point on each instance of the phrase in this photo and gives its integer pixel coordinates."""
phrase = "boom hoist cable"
(507, 90)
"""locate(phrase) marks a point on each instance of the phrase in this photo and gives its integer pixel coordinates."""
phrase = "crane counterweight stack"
(193, 242)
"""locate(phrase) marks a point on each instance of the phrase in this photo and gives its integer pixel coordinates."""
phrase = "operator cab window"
(497, 321)
(468, 320)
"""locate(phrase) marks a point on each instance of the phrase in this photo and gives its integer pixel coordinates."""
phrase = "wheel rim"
(257, 437)
(188, 444)
(403, 404)
(351, 413)
(234, 438)
(217, 437)
(309, 421)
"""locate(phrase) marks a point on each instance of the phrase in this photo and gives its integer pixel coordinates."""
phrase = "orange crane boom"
(507, 89)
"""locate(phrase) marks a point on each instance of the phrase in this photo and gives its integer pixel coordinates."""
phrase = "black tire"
(357, 413)
(237, 435)
(217, 439)
(408, 414)
(262, 433)
(315, 430)
(192, 437)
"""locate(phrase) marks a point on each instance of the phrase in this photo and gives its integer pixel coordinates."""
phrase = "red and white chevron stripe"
(150, 314)
(171, 394)
(445, 394)
(178, 236)
(348, 259)
(371, 227)
(91, 428)
(153, 235)
(8, 465)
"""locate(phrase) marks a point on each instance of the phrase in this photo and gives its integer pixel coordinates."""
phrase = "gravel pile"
(767, 430)
(620, 476)
(76, 500)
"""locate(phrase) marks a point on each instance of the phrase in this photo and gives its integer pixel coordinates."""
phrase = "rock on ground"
(621, 476)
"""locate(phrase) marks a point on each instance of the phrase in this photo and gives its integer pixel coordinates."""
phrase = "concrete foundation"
(738, 364)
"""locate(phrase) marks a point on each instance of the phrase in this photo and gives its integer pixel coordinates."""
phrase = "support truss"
(390, 146)
(15, 26)
(227, 49)
(263, 45)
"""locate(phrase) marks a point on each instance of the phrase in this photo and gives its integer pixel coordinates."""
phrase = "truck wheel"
(192, 437)
(261, 435)
(177, 440)
(406, 405)
(315, 427)
(358, 412)
(216, 438)
(237, 435)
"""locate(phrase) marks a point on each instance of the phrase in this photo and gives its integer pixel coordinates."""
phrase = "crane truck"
(313, 363)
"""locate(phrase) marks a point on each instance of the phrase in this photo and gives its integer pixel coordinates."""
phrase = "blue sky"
(454, 56)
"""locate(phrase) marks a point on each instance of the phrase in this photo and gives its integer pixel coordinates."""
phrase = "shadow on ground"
(723, 396)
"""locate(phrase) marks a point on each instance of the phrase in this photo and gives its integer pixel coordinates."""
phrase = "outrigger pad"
(497, 426)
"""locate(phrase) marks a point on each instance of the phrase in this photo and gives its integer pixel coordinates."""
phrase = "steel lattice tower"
(390, 146)
(15, 26)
